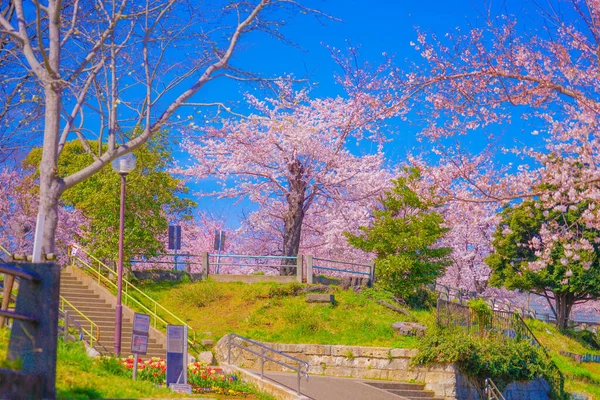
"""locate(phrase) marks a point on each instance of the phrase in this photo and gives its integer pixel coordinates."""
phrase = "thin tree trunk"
(51, 186)
(292, 229)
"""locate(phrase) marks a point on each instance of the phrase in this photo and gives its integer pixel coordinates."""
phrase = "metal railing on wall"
(262, 352)
(507, 323)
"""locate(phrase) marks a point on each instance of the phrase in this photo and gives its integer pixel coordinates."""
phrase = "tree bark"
(292, 229)
(564, 304)
(51, 186)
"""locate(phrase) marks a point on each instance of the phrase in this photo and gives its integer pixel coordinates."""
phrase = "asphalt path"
(330, 388)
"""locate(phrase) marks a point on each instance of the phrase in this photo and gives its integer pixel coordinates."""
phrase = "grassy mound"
(279, 313)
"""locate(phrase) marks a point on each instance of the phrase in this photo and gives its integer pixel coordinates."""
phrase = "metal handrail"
(62, 301)
(93, 326)
(264, 357)
(492, 391)
(343, 262)
(128, 285)
(247, 256)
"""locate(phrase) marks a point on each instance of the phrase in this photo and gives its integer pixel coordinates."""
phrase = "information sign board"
(176, 354)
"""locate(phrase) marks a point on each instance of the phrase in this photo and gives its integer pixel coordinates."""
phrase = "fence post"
(8, 285)
(299, 264)
(205, 264)
(298, 378)
(309, 269)
(372, 277)
(66, 328)
(262, 363)
(35, 343)
(229, 349)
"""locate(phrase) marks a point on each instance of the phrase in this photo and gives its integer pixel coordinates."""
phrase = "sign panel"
(174, 237)
(219, 240)
(176, 355)
(175, 339)
(141, 323)
(139, 334)
(139, 343)
(181, 388)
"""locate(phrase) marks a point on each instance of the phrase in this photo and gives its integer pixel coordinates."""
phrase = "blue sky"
(375, 27)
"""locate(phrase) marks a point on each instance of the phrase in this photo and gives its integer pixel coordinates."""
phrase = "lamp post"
(122, 165)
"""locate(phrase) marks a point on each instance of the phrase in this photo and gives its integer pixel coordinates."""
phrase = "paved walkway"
(330, 388)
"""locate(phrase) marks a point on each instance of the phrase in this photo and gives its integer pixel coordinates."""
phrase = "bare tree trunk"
(292, 229)
(51, 186)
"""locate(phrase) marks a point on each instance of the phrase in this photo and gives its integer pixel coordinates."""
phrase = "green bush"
(421, 298)
(492, 356)
(200, 295)
(289, 289)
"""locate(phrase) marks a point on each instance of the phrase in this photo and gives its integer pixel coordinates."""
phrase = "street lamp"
(122, 165)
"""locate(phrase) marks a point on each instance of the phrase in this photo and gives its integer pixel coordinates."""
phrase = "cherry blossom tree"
(486, 82)
(105, 68)
(292, 159)
(18, 207)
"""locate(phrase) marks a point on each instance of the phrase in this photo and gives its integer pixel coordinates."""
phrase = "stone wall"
(349, 361)
(374, 363)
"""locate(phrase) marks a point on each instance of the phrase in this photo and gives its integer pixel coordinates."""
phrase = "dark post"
(35, 342)
(119, 308)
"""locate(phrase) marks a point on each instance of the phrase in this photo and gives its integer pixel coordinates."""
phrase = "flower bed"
(202, 378)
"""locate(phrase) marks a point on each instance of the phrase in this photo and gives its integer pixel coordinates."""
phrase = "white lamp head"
(124, 164)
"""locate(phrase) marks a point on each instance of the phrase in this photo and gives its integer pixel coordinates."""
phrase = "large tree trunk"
(564, 304)
(292, 228)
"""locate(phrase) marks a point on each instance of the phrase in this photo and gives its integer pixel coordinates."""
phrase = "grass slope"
(579, 377)
(279, 313)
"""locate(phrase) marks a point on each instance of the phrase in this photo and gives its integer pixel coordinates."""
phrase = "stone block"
(404, 353)
(207, 342)
(344, 351)
(320, 298)
(409, 328)
(206, 357)
(375, 352)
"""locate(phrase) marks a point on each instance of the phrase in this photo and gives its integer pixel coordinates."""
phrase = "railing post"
(229, 349)
(205, 264)
(309, 269)
(372, 275)
(8, 285)
(299, 269)
(298, 378)
(66, 328)
(262, 363)
(35, 343)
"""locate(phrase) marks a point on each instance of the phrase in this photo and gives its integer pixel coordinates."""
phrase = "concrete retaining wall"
(375, 363)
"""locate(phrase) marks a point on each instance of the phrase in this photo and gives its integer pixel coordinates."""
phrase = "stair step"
(413, 393)
(397, 385)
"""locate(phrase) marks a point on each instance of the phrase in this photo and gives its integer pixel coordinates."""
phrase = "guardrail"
(449, 293)
(264, 357)
(152, 309)
(247, 261)
(509, 324)
(324, 264)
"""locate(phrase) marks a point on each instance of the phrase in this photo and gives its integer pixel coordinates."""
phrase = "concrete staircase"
(97, 304)
(411, 391)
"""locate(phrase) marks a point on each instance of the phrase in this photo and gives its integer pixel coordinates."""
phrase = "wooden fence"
(34, 331)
